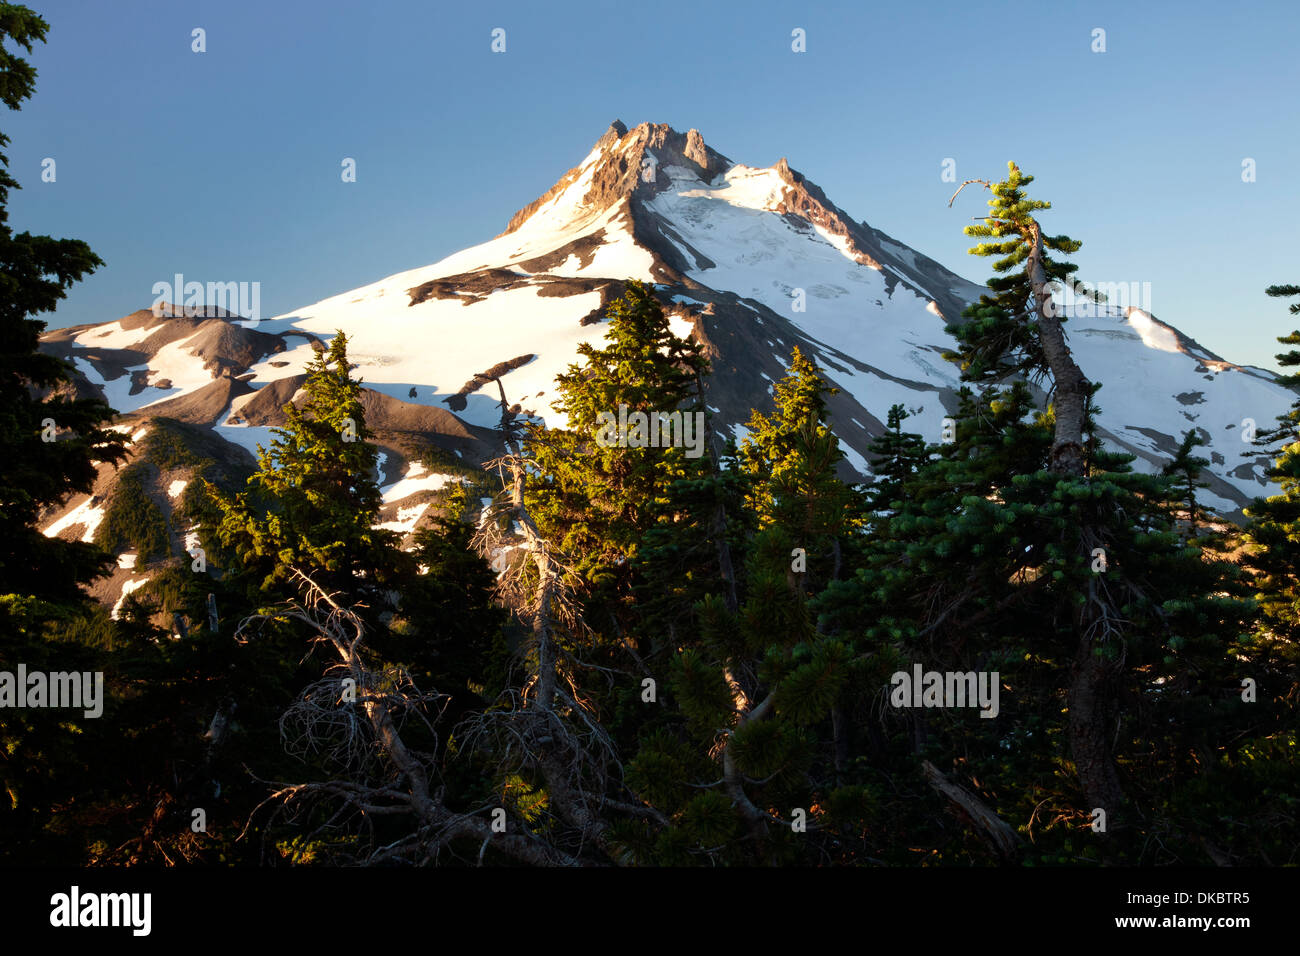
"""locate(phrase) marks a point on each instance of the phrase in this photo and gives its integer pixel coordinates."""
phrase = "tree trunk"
(1072, 388)
(996, 832)
(1090, 700)
(1091, 694)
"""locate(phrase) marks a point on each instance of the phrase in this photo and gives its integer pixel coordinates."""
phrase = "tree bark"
(996, 832)
(1090, 694)
(1090, 702)
(1071, 386)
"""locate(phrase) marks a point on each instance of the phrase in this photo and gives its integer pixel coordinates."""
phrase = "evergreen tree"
(1273, 531)
(448, 631)
(1001, 335)
(896, 456)
(52, 440)
(599, 497)
(761, 672)
(1029, 549)
(1186, 467)
(318, 483)
(53, 443)
(791, 459)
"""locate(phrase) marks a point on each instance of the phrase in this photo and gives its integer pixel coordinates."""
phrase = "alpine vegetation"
(691, 521)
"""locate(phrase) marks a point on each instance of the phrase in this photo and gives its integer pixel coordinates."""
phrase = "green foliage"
(1186, 467)
(791, 459)
(1273, 533)
(999, 337)
(897, 455)
(440, 461)
(596, 499)
(449, 630)
(36, 401)
(767, 601)
(132, 519)
(319, 476)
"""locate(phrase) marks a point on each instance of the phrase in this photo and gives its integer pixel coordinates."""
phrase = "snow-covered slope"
(752, 260)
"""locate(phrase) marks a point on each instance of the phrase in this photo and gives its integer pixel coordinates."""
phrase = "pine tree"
(1018, 331)
(600, 498)
(1252, 779)
(896, 456)
(322, 502)
(449, 629)
(791, 458)
(1027, 546)
(52, 440)
(1186, 468)
(760, 671)
(53, 444)
(1273, 531)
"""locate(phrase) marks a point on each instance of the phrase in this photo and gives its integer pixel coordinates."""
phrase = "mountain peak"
(612, 135)
(750, 260)
(680, 149)
(623, 160)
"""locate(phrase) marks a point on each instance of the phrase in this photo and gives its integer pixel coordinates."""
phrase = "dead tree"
(353, 719)
(547, 725)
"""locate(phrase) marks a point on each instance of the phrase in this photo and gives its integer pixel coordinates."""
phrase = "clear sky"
(225, 165)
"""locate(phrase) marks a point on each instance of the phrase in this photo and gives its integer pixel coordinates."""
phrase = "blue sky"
(225, 165)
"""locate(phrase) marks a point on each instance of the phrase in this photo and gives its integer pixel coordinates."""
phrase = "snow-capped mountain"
(753, 260)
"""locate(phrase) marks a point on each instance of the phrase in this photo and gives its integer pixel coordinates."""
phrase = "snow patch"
(83, 514)
(112, 336)
(1154, 335)
(854, 459)
(176, 363)
(127, 588)
(415, 480)
(406, 519)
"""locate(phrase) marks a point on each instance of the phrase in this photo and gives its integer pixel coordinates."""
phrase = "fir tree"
(599, 497)
(1273, 530)
(791, 458)
(52, 440)
(1186, 467)
(761, 671)
(318, 481)
(1027, 546)
(53, 443)
(896, 456)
